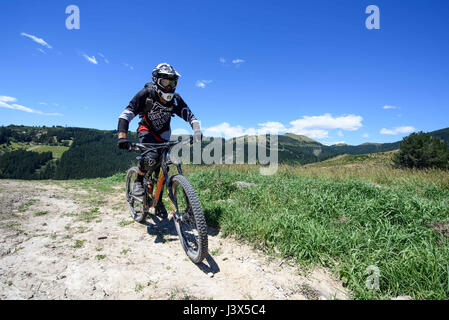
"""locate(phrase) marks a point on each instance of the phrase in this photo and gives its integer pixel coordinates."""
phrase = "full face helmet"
(165, 80)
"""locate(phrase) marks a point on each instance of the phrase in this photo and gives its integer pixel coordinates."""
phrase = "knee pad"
(148, 162)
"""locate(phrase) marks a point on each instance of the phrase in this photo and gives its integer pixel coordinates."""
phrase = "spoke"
(136, 198)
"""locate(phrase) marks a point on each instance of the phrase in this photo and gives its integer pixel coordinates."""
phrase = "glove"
(197, 136)
(124, 144)
(196, 132)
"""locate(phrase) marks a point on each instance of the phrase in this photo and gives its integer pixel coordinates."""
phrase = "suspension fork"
(159, 187)
(171, 197)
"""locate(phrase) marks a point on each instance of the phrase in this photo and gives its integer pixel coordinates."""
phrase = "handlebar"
(148, 146)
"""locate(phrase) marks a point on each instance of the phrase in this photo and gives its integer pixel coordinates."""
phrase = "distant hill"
(378, 159)
(298, 149)
(300, 138)
(74, 152)
(442, 134)
(88, 153)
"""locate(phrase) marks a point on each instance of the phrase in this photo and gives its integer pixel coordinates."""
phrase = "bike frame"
(164, 180)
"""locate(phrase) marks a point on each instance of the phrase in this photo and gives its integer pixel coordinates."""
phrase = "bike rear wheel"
(137, 205)
(191, 225)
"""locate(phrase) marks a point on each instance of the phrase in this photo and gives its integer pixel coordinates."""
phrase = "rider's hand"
(197, 135)
(124, 144)
(196, 132)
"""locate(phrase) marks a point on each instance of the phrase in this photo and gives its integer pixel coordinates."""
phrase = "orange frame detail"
(160, 185)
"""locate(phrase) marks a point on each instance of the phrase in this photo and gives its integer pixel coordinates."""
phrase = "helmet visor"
(165, 83)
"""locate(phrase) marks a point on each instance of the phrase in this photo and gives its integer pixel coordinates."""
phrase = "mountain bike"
(186, 208)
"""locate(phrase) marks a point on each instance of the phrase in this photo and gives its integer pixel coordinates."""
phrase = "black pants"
(152, 159)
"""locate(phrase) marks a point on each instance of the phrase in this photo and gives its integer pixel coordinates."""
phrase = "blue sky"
(308, 67)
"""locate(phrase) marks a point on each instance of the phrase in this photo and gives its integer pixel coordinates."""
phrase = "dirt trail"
(54, 244)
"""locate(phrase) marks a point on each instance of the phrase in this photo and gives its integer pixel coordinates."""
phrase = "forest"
(91, 153)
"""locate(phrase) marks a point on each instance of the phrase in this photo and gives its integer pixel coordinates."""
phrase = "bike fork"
(159, 187)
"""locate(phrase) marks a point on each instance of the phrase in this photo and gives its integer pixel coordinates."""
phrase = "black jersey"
(154, 116)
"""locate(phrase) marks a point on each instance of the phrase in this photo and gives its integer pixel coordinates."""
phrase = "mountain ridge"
(91, 153)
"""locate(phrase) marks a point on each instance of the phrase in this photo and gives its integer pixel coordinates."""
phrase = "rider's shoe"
(161, 211)
(138, 190)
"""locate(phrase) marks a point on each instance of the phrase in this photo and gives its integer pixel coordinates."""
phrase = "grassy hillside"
(76, 152)
(380, 159)
(301, 138)
(56, 151)
(345, 217)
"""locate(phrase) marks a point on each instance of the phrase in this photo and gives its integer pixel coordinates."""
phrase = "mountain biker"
(155, 104)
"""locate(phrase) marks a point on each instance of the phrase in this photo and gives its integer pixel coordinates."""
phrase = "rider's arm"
(135, 106)
(184, 112)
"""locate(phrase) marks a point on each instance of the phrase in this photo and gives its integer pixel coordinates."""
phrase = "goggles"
(164, 83)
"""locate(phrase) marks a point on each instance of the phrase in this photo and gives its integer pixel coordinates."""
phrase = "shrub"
(420, 150)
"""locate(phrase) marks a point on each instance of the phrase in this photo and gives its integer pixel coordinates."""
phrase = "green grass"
(101, 185)
(138, 287)
(79, 244)
(215, 252)
(56, 151)
(124, 223)
(89, 216)
(24, 206)
(41, 213)
(341, 222)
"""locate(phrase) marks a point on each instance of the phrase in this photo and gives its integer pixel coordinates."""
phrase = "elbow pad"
(123, 125)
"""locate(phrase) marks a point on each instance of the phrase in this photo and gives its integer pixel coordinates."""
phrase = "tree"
(420, 150)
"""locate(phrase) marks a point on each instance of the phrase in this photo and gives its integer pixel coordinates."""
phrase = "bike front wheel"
(190, 223)
(137, 205)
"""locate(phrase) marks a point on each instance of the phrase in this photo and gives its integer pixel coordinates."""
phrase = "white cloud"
(314, 133)
(390, 107)
(398, 130)
(23, 108)
(42, 51)
(14, 106)
(227, 131)
(318, 126)
(180, 131)
(128, 66)
(104, 58)
(340, 133)
(7, 99)
(5, 105)
(224, 130)
(365, 135)
(270, 127)
(90, 59)
(222, 60)
(202, 83)
(238, 61)
(37, 40)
